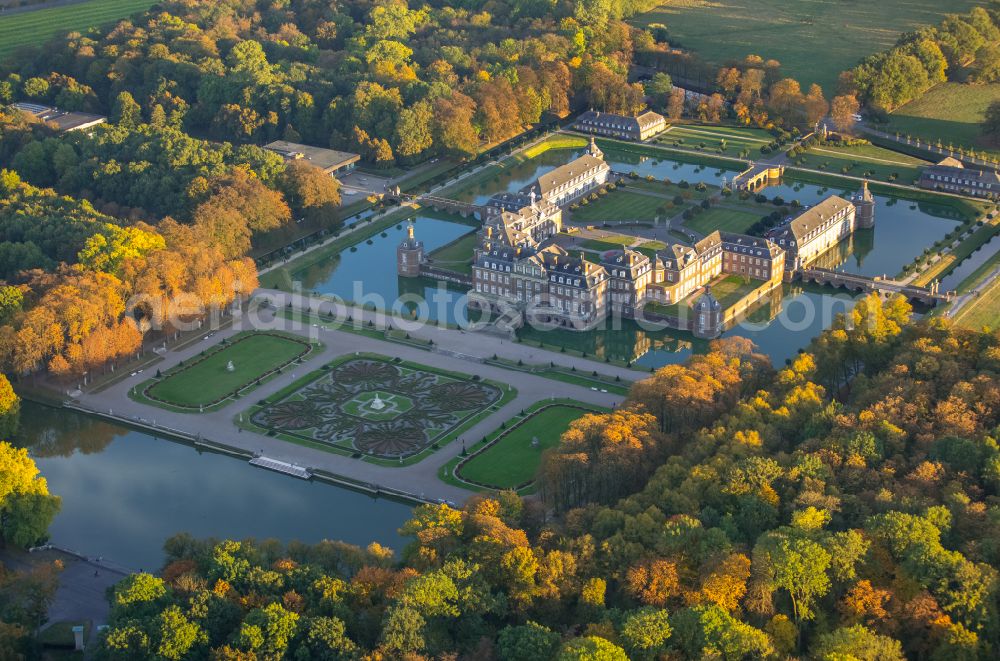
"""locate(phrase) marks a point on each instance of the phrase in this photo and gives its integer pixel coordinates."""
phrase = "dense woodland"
(192, 90)
(842, 507)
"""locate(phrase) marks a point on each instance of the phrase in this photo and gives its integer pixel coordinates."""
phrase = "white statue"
(377, 404)
(230, 367)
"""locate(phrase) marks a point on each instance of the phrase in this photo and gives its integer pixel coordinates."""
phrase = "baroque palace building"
(520, 272)
(820, 227)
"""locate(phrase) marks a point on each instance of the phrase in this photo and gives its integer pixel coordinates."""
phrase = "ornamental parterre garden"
(224, 372)
(378, 407)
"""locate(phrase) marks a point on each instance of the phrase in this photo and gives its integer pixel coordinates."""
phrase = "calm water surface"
(124, 492)
(368, 273)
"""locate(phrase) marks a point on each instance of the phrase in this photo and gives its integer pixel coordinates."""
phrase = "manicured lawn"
(982, 311)
(620, 205)
(724, 220)
(512, 461)
(457, 255)
(734, 138)
(33, 28)
(555, 142)
(951, 113)
(864, 160)
(732, 288)
(814, 41)
(204, 381)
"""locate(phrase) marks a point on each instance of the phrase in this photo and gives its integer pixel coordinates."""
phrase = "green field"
(983, 311)
(457, 255)
(620, 205)
(205, 381)
(512, 461)
(734, 138)
(863, 160)
(33, 28)
(724, 220)
(814, 41)
(951, 113)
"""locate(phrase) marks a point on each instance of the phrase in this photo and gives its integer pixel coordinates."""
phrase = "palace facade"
(952, 176)
(821, 227)
(638, 127)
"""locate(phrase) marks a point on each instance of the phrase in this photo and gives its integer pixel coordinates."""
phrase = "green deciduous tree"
(591, 648)
(26, 508)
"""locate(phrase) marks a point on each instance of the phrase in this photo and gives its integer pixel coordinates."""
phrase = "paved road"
(421, 478)
(972, 294)
(83, 584)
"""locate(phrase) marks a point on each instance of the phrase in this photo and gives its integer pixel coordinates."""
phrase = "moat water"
(781, 327)
(124, 492)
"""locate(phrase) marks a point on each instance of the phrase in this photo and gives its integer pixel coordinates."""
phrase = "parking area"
(360, 184)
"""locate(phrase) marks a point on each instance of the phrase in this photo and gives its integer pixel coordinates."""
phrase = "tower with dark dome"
(409, 255)
(707, 316)
(864, 205)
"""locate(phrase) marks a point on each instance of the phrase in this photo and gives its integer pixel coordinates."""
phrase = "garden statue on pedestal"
(230, 367)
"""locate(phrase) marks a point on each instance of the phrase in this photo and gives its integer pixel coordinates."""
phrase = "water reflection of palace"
(628, 343)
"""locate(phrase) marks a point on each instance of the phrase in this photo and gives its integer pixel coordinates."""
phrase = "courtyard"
(376, 407)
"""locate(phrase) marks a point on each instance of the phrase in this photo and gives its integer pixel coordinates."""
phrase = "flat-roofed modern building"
(952, 176)
(625, 127)
(329, 161)
(62, 121)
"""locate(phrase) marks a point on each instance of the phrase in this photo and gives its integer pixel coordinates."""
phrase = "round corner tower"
(707, 316)
(409, 255)
(864, 205)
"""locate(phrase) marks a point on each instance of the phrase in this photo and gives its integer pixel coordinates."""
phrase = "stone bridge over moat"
(885, 286)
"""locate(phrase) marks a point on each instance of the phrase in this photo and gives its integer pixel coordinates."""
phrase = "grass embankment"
(609, 146)
(951, 113)
(456, 255)
(863, 161)
(983, 311)
(973, 278)
(949, 261)
(34, 28)
(206, 381)
(459, 190)
(729, 138)
(814, 41)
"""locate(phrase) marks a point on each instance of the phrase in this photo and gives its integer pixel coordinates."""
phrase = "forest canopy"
(844, 506)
